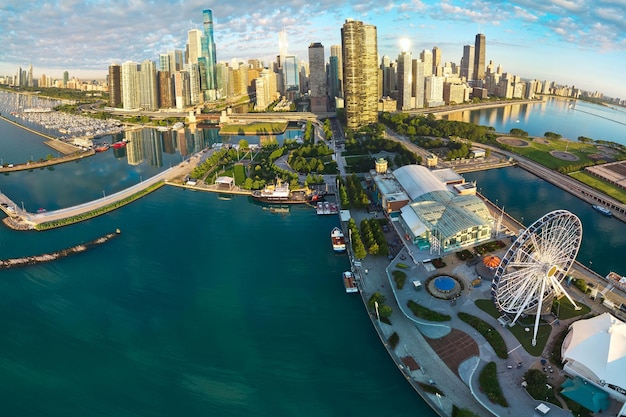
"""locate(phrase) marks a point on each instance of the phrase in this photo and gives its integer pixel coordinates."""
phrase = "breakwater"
(49, 257)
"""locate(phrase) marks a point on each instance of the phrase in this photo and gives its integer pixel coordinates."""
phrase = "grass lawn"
(566, 309)
(608, 189)
(519, 330)
(540, 153)
(255, 128)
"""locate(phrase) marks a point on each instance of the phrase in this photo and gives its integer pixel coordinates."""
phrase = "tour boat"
(338, 240)
(349, 282)
(603, 210)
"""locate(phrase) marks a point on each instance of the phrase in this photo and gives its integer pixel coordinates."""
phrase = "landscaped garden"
(426, 313)
(493, 337)
(489, 384)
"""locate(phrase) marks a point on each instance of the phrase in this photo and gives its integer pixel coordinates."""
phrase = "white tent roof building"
(595, 350)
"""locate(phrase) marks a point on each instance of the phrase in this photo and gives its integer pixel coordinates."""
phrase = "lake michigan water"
(205, 306)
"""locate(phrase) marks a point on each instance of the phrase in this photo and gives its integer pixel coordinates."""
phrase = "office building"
(176, 60)
(479, 58)
(360, 73)
(181, 89)
(166, 90)
(164, 63)
(335, 51)
(467, 63)
(115, 85)
(418, 84)
(317, 78)
(291, 76)
(436, 59)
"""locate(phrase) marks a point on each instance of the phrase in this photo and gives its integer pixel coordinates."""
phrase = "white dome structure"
(595, 350)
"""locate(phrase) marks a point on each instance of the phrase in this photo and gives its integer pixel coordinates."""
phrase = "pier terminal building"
(437, 209)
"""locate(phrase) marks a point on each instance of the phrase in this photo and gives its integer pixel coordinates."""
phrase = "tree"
(244, 145)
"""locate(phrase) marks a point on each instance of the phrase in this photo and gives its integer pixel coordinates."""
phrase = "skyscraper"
(436, 59)
(418, 83)
(317, 77)
(176, 60)
(164, 63)
(282, 47)
(479, 57)
(405, 69)
(115, 85)
(335, 50)
(208, 53)
(130, 85)
(194, 45)
(467, 63)
(427, 58)
(360, 73)
(291, 75)
(148, 97)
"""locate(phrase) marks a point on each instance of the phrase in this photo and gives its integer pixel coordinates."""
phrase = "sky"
(578, 43)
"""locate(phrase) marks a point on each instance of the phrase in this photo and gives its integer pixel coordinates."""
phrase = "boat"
(119, 144)
(178, 125)
(101, 147)
(602, 210)
(280, 193)
(338, 240)
(163, 128)
(325, 208)
(349, 282)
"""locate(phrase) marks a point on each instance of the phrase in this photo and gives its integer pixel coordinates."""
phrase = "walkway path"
(459, 379)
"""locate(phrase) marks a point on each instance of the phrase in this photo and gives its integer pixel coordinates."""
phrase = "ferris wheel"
(530, 273)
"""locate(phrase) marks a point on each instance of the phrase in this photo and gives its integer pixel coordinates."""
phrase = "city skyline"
(571, 42)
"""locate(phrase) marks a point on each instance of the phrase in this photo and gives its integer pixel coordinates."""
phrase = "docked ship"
(602, 210)
(119, 144)
(178, 125)
(280, 193)
(324, 208)
(338, 240)
(349, 282)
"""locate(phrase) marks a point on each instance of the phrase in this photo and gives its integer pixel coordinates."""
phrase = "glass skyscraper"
(208, 52)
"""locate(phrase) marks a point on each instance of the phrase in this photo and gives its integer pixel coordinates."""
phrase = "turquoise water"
(567, 117)
(201, 307)
(527, 198)
(206, 306)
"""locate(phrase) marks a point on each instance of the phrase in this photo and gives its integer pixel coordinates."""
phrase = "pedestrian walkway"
(424, 342)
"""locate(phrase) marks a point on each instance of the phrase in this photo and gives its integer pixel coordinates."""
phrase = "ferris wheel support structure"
(531, 271)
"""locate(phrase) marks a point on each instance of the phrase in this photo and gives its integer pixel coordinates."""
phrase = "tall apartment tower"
(208, 53)
(436, 59)
(335, 50)
(405, 76)
(360, 73)
(467, 63)
(194, 46)
(130, 85)
(115, 85)
(317, 78)
(479, 57)
(427, 58)
(418, 83)
(148, 92)
(166, 90)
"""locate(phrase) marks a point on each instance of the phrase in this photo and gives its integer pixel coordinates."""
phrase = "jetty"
(53, 256)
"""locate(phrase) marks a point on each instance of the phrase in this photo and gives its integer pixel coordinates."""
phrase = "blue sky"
(572, 42)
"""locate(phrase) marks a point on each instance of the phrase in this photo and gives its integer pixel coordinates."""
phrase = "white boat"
(349, 282)
(178, 125)
(338, 240)
(602, 210)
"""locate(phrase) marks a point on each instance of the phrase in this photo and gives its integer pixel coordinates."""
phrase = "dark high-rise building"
(479, 57)
(317, 78)
(208, 53)
(360, 73)
(333, 77)
(115, 85)
(166, 90)
(467, 63)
